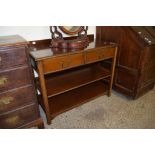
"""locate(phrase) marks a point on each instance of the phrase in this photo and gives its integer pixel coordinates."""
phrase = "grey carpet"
(109, 112)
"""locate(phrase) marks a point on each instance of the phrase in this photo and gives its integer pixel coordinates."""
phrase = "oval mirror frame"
(72, 30)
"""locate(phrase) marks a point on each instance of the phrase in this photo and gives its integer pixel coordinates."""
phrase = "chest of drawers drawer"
(99, 54)
(19, 117)
(12, 57)
(15, 78)
(16, 99)
(63, 62)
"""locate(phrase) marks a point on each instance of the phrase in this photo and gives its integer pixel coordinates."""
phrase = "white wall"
(33, 32)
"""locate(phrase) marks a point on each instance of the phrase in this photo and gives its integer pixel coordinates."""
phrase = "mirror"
(58, 41)
(71, 29)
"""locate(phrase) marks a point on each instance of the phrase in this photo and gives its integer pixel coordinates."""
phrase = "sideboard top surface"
(44, 52)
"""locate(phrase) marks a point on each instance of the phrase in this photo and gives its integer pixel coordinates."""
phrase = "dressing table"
(70, 77)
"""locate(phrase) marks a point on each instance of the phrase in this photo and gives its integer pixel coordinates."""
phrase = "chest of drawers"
(18, 103)
(70, 78)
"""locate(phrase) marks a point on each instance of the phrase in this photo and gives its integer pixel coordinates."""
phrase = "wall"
(33, 32)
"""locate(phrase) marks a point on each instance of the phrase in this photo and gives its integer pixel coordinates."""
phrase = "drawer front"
(18, 118)
(17, 98)
(62, 62)
(76, 60)
(99, 54)
(12, 57)
(14, 78)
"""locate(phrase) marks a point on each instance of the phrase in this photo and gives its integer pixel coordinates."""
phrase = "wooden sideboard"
(70, 78)
(135, 65)
(18, 102)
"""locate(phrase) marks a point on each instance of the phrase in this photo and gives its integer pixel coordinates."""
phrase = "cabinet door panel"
(129, 53)
(125, 79)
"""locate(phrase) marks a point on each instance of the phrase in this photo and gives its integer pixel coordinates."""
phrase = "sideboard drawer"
(76, 60)
(12, 57)
(18, 118)
(62, 62)
(14, 78)
(99, 54)
(16, 98)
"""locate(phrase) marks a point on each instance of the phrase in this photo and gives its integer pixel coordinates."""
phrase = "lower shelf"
(74, 98)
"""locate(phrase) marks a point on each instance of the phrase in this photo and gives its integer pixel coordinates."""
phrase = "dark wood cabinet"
(70, 78)
(135, 65)
(18, 102)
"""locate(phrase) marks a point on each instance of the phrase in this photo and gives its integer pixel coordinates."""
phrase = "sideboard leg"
(112, 73)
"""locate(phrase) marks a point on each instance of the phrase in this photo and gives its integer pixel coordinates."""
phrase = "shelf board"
(72, 79)
(76, 97)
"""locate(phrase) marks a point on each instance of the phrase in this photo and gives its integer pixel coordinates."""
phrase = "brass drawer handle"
(65, 64)
(62, 65)
(12, 120)
(6, 100)
(3, 80)
(99, 57)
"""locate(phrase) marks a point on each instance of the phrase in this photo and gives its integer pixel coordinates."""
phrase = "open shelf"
(76, 97)
(68, 80)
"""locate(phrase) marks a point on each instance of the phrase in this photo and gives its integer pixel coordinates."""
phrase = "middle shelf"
(67, 80)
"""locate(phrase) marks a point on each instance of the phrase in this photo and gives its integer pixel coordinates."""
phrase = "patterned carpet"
(109, 112)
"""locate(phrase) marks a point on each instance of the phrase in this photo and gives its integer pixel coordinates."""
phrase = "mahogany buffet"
(72, 71)
(71, 77)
